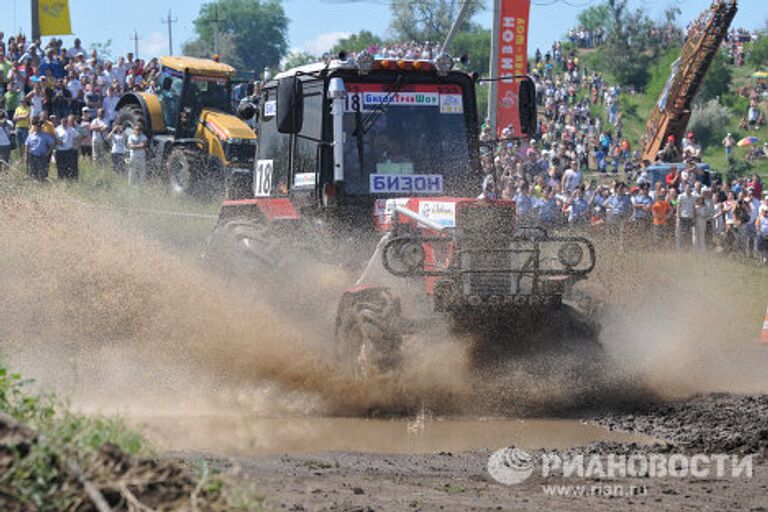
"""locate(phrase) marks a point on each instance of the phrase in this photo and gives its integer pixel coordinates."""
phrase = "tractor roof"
(197, 66)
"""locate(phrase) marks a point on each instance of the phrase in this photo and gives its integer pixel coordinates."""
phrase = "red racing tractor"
(375, 164)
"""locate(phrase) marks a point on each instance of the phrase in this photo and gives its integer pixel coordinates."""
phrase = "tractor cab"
(197, 141)
(350, 134)
(195, 84)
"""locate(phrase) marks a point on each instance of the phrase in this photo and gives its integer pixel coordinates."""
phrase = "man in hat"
(669, 153)
(39, 147)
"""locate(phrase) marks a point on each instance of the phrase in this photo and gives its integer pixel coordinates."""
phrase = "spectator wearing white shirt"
(686, 213)
(76, 50)
(119, 148)
(109, 103)
(5, 140)
(137, 164)
(99, 128)
(66, 149)
(120, 70)
(74, 85)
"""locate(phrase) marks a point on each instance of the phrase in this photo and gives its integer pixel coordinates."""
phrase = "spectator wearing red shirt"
(673, 177)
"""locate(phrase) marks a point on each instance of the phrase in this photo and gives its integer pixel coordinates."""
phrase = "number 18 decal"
(262, 178)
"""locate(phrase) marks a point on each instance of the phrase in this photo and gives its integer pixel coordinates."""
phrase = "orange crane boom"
(672, 112)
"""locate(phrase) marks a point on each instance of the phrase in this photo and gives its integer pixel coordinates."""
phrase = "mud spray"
(117, 321)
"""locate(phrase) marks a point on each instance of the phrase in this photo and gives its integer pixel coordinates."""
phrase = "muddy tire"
(368, 338)
(130, 115)
(244, 247)
(183, 168)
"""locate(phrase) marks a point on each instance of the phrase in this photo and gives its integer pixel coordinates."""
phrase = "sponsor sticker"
(451, 104)
(270, 108)
(418, 183)
(410, 99)
(304, 179)
(443, 213)
(394, 168)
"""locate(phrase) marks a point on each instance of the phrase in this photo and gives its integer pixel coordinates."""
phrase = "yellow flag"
(54, 17)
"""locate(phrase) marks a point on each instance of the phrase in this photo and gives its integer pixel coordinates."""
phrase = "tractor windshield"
(209, 92)
(404, 138)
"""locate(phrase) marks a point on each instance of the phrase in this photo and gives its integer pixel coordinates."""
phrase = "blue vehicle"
(658, 172)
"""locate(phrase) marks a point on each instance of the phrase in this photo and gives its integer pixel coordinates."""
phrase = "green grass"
(636, 109)
(61, 434)
(41, 478)
(181, 222)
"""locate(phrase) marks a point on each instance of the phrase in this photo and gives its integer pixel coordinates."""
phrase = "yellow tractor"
(197, 141)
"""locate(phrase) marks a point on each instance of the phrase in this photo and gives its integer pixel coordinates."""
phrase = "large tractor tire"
(244, 247)
(184, 168)
(130, 115)
(368, 338)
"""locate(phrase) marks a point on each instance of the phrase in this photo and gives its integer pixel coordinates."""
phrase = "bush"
(707, 121)
(737, 104)
(757, 52)
(717, 81)
(47, 454)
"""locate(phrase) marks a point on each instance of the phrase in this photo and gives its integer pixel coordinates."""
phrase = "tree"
(633, 43)
(227, 51)
(428, 20)
(252, 33)
(357, 42)
(475, 44)
(594, 17)
(103, 50)
(717, 81)
(296, 59)
(757, 52)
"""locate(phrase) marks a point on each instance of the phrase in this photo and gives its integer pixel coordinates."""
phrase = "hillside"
(636, 108)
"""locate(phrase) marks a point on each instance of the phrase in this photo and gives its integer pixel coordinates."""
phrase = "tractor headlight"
(405, 257)
(443, 64)
(365, 63)
(570, 254)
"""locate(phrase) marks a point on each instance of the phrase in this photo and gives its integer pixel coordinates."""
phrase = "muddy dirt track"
(707, 424)
(118, 322)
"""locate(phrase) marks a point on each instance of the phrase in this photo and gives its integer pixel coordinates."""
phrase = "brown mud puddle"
(243, 435)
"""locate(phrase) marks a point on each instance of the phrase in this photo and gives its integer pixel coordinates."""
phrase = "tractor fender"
(150, 107)
(270, 209)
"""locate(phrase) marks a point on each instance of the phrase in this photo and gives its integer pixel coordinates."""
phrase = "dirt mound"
(108, 478)
(712, 423)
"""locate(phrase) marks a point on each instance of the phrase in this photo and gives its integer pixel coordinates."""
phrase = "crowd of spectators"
(581, 130)
(585, 38)
(61, 102)
(678, 210)
(735, 41)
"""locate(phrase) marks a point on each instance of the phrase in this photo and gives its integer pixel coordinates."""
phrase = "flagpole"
(35, 20)
(494, 66)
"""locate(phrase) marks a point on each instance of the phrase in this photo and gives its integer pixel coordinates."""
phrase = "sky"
(315, 25)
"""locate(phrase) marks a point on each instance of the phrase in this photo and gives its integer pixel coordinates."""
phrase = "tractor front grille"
(240, 152)
(483, 238)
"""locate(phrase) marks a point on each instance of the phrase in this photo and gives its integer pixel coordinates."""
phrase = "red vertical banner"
(512, 60)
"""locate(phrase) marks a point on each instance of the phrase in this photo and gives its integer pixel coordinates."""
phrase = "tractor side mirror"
(290, 105)
(527, 107)
(167, 82)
